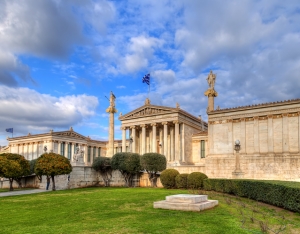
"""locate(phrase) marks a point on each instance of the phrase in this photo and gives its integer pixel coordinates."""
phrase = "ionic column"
(58, 147)
(270, 135)
(154, 146)
(123, 139)
(165, 142)
(176, 140)
(172, 158)
(85, 153)
(256, 135)
(143, 126)
(66, 149)
(285, 133)
(133, 139)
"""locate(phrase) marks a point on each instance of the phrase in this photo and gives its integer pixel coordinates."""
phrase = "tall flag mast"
(146, 79)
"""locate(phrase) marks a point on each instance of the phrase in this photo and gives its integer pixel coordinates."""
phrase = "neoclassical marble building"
(268, 136)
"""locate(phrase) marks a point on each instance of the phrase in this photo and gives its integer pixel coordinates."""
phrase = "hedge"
(284, 194)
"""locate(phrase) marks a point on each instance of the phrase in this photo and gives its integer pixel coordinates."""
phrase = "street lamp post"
(237, 147)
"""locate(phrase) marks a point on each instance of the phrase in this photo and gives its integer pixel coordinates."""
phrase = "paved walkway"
(23, 192)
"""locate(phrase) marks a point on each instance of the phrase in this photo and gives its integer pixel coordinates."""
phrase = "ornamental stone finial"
(211, 92)
(177, 105)
(111, 108)
(147, 101)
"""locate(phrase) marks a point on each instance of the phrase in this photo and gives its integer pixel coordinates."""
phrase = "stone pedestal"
(238, 175)
(187, 202)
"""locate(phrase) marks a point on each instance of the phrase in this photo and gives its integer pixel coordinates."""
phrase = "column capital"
(284, 114)
(164, 123)
(176, 122)
(133, 127)
(123, 128)
(242, 119)
(153, 124)
(270, 116)
(255, 117)
(143, 125)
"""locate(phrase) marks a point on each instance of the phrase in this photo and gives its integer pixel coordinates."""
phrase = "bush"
(153, 163)
(195, 180)
(181, 180)
(284, 194)
(167, 178)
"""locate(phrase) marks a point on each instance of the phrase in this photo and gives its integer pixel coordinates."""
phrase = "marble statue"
(78, 156)
(211, 79)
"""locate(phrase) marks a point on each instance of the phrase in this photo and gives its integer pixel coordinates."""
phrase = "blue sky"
(59, 59)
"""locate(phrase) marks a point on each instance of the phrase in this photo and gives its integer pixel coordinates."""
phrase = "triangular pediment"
(71, 134)
(148, 110)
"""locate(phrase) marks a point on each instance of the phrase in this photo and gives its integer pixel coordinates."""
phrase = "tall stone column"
(285, 133)
(143, 126)
(85, 149)
(172, 158)
(58, 147)
(133, 149)
(154, 146)
(123, 139)
(256, 135)
(210, 92)
(270, 135)
(111, 110)
(165, 142)
(160, 140)
(177, 141)
(66, 149)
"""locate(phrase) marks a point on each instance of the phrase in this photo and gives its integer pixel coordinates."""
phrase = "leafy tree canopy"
(52, 164)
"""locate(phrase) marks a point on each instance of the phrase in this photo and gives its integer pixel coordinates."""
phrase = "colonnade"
(33, 150)
(165, 138)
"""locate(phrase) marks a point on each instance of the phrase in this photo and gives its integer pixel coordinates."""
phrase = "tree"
(52, 164)
(14, 167)
(103, 166)
(128, 164)
(153, 163)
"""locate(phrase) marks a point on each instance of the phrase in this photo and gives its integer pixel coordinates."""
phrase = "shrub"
(195, 180)
(284, 194)
(167, 178)
(181, 180)
(153, 163)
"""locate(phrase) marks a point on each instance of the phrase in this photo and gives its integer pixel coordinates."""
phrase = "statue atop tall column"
(211, 92)
(111, 110)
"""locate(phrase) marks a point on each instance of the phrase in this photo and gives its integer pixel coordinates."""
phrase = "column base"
(238, 174)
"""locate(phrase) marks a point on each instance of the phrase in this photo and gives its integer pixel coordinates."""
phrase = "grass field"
(125, 210)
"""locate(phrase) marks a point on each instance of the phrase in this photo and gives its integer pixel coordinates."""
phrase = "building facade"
(268, 136)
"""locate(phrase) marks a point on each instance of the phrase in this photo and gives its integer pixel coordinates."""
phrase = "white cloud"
(29, 111)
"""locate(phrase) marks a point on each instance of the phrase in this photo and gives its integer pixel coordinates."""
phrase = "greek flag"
(146, 79)
(10, 130)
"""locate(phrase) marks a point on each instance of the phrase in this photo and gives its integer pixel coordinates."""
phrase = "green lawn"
(117, 210)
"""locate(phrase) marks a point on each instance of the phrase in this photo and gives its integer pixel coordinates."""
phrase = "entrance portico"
(163, 130)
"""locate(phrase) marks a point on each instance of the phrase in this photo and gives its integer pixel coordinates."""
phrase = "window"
(89, 154)
(69, 151)
(62, 149)
(202, 149)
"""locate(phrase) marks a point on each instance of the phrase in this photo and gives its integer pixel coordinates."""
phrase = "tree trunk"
(11, 188)
(53, 183)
